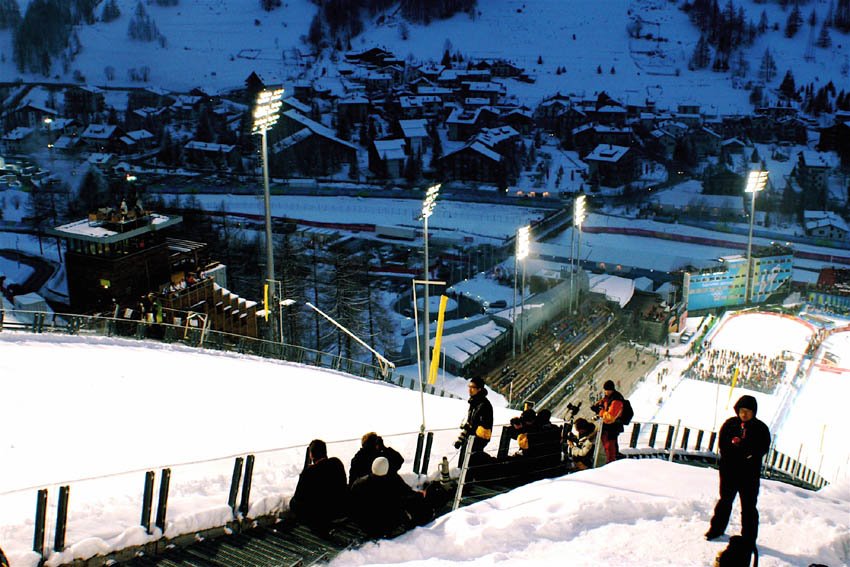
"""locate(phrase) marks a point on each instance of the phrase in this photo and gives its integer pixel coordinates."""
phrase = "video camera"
(572, 410)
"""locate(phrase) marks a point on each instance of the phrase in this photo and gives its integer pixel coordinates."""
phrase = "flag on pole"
(732, 388)
(435, 359)
(266, 299)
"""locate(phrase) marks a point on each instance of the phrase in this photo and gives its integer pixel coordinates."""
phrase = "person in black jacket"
(743, 441)
(381, 502)
(371, 447)
(321, 495)
(479, 417)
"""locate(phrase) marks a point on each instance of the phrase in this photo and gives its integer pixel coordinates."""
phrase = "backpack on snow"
(627, 414)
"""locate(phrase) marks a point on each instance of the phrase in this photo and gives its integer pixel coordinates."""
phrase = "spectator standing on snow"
(743, 441)
(609, 409)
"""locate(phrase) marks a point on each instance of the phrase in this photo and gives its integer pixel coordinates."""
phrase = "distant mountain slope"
(217, 43)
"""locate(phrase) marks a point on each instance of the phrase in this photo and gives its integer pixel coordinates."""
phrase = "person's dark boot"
(713, 534)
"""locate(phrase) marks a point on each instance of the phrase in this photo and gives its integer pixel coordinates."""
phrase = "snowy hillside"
(217, 43)
(68, 416)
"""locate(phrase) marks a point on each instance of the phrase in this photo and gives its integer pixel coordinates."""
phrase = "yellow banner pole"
(266, 300)
(732, 388)
(435, 360)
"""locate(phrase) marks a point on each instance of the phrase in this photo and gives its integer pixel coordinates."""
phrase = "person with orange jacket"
(609, 409)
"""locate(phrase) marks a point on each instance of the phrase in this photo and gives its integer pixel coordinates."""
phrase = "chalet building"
(387, 158)
(498, 67)
(103, 138)
(31, 114)
(610, 114)
(186, 107)
(474, 162)
(149, 118)
(84, 103)
(154, 97)
(706, 142)
(430, 72)
(138, 141)
(463, 124)
(415, 134)
(420, 106)
(826, 224)
(520, 120)
(307, 144)
(374, 56)
(612, 165)
(378, 81)
(353, 108)
(567, 120)
(665, 141)
(123, 258)
(206, 154)
(586, 137)
(732, 146)
(19, 140)
(547, 111)
(483, 157)
(812, 171)
(492, 92)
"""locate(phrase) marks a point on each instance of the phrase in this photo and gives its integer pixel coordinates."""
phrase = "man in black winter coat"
(321, 495)
(371, 447)
(743, 441)
(381, 501)
(479, 417)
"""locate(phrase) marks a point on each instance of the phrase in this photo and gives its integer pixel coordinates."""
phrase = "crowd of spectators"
(755, 371)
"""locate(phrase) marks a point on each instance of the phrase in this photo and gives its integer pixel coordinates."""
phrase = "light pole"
(578, 219)
(266, 114)
(523, 238)
(428, 205)
(756, 182)
(48, 122)
(520, 253)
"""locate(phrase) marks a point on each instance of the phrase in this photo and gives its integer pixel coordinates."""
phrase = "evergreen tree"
(10, 14)
(316, 33)
(740, 65)
(767, 68)
(93, 192)
(824, 39)
(43, 33)
(269, 5)
(762, 27)
(110, 11)
(841, 17)
(788, 87)
(141, 26)
(794, 21)
(353, 167)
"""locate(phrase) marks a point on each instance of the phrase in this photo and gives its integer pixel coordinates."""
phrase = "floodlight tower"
(579, 215)
(756, 182)
(428, 205)
(266, 113)
(523, 237)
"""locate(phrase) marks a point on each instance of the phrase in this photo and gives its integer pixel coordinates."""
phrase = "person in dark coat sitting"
(743, 441)
(381, 502)
(372, 447)
(321, 495)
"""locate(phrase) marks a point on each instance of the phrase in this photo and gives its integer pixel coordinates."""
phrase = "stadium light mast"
(523, 238)
(266, 113)
(520, 253)
(428, 205)
(756, 182)
(579, 215)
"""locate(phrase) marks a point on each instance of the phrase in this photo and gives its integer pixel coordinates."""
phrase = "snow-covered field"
(586, 37)
(81, 408)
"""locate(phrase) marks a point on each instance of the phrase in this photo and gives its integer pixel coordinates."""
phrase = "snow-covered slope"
(217, 43)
